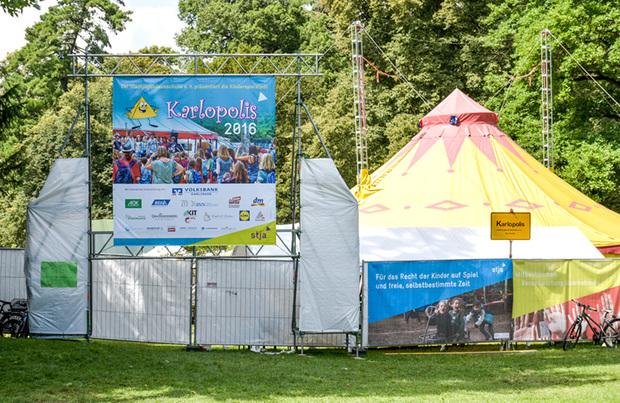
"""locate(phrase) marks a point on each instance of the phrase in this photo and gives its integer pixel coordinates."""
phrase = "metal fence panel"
(249, 302)
(12, 277)
(141, 300)
(244, 302)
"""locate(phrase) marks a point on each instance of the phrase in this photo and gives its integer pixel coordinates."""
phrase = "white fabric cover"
(57, 231)
(329, 270)
(406, 244)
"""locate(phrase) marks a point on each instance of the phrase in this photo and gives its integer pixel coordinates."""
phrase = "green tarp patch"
(59, 274)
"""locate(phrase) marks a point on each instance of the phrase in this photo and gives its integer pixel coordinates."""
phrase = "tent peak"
(456, 109)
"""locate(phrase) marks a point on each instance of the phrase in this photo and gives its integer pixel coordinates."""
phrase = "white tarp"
(56, 264)
(329, 264)
(379, 244)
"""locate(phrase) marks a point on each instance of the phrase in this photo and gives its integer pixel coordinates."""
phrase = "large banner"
(543, 290)
(194, 160)
(437, 302)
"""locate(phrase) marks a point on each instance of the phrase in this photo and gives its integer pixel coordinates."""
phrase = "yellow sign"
(511, 226)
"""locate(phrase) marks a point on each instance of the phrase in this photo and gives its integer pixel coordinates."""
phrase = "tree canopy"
(428, 47)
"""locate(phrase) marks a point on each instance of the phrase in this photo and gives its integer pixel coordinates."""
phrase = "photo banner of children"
(194, 160)
(437, 302)
(543, 291)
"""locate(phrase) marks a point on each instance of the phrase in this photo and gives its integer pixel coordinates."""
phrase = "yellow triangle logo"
(142, 109)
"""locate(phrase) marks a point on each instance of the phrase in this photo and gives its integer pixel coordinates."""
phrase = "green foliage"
(34, 114)
(16, 7)
(429, 47)
(218, 26)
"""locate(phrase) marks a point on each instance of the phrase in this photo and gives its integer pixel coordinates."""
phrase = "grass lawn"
(53, 370)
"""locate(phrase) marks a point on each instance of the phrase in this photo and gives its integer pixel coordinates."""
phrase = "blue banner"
(398, 287)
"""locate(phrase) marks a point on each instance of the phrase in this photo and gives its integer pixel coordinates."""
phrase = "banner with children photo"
(543, 293)
(437, 302)
(194, 160)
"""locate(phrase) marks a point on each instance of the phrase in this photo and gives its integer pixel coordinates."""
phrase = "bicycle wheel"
(12, 327)
(572, 336)
(611, 333)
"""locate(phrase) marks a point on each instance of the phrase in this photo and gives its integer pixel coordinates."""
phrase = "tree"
(15, 7)
(587, 120)
(32, 82)
(222, 26)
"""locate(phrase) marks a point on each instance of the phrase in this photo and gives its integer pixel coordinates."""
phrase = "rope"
(512, 79)
(323, 54)
(400, 75)
(587, 74)
(395, 77)
(527, 75)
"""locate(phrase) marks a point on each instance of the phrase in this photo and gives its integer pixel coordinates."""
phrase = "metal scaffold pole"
(547, 99)
(357, 52)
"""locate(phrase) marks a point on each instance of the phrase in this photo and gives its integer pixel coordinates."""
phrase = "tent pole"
(89, 305)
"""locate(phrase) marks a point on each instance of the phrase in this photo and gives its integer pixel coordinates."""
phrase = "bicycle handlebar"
(588, 307)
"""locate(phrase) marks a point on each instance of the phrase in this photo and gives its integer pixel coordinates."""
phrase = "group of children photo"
(154, 159)
(451, 322)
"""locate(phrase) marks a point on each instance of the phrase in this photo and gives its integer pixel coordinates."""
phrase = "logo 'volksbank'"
(133, 203)
(177, 191)
(161, 202)
(200, 191)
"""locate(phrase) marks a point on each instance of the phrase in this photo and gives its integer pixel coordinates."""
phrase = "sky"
(155, 22)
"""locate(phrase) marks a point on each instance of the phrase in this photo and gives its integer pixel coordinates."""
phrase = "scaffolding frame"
(547, 98)
(298, 65)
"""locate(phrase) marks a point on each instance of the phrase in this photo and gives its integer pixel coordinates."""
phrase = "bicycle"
(14, 318)
(608, 331)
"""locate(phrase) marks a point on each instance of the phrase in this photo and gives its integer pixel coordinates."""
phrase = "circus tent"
(162, 127)
(461, 167)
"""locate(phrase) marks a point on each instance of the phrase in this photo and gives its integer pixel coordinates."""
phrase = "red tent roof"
(463, 107)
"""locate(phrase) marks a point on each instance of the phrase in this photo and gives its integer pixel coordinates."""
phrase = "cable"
(587, 73)
(402, 76)
(322, 55)
(512, 79)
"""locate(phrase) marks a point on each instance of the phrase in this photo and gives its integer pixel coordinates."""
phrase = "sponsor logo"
(154, 228)
(172, 229)
(208, 217)
(134, 217)
(258, 202)
(258, 235)
(177, 191)
(161, 216)
(244, 215)
(208, 228)
(133, 203)
(185, 203)
(161, 202)
(127, 229)
(234, 202)
(260, 216)
(189, 215)
(201, 204)
(200, 191)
